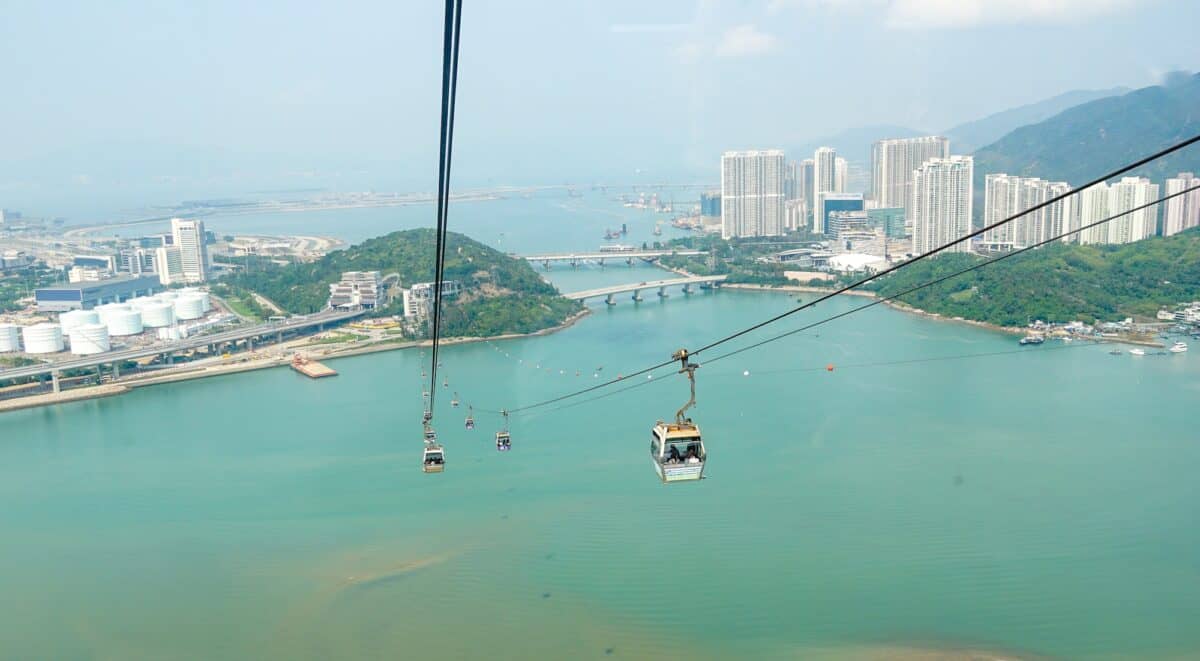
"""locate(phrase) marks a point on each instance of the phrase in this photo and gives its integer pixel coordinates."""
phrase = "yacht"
(1032, 339)
(1178, 347)
(1137, 352)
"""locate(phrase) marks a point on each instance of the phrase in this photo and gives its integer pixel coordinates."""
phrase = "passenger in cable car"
(674, 455)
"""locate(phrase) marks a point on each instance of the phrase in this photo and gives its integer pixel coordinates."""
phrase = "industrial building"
(87, 295)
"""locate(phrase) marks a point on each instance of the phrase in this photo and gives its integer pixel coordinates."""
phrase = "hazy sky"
(112, 98)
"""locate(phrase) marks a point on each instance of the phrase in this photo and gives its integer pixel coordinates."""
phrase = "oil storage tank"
(189, 306)
(75, 318)
(42, 338)
(10, 338)
(123, 322)
(88, 339)
(158, 314)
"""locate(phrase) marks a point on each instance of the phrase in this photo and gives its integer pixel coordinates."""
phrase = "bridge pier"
(662, 292)
(629, 262)
(546, 265)
(54, 384)
(687, 289)
(637, 295)
(116, 370)
(574, 263)
(278, 337)
(601, 262)
(611, 299)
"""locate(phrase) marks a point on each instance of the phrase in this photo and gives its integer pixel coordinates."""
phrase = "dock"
(311, 368)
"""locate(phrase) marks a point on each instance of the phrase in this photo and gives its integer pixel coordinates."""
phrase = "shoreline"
(189, 372)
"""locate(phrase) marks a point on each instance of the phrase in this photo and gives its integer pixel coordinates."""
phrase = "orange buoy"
(829, 367)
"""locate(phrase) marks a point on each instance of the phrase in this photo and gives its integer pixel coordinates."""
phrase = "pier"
(687, 284)
(311, 368)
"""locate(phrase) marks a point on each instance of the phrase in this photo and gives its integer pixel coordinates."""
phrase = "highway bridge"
(610, 293)
(215, 341)
(628, 256)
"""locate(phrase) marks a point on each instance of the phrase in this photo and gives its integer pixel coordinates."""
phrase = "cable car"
(470, 422)
(676, 448)
(446, 383)
(433, 458)
(454, 402)
(503, 438)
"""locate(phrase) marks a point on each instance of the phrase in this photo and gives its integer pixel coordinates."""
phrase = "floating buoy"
(746, 373)
(829, 367)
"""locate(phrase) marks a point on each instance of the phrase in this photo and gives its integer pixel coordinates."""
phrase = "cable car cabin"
(503, 441)
(470, 422)
(433, 460)
(677, 451)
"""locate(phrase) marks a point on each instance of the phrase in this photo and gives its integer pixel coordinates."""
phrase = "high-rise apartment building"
(893, 163)
(824, 175)
(752, 200)
(791, 181)
(1183, 212)
(188, 238)
(941, 203)
(1005, 196)
(1104, 200)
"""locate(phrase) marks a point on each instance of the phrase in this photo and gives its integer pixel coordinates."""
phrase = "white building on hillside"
(1183, 212)
(941, 203)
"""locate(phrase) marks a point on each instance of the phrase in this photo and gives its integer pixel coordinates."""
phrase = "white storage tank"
(123, 322)
(43, 338)
(189, 306)
(141, 302)
(167, 295)
(88, 339)
(75, 318)
(10, 338)
(158, 314)
(106, 310)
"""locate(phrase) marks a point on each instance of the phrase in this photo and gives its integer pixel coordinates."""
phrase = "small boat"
(1178, 347)
(1114, 352)
(1032, 339)
(1137, 352)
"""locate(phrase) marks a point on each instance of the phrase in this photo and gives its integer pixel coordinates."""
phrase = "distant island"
(500, 294)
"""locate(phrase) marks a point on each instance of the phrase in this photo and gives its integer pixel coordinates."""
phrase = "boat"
(1178, 347)
(1137, 352)
(1114, 352)
(1032, 339)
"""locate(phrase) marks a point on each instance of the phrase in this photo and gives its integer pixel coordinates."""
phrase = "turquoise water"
(1040, 502)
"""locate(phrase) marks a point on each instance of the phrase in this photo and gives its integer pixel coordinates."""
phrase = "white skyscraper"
(1005, 196)
(752, 200)
(193, 253)
(840, 173)
(941, 203)
(893, 163)
(824, 173)
(1103, 200)
(168, 264)
(1183, 212)
(1124, 195)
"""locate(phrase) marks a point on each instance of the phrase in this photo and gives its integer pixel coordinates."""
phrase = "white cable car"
(433, 458)
(454, 402)
(503, 439)
(470, 421)
(676, 448)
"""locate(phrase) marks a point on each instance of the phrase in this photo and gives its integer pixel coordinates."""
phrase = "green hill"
(502, 294)
(1059, 283)
(1088, 140)
(972, 135)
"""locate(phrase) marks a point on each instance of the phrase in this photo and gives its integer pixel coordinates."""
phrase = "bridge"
(213, 341)
(627, 256)
(610, 293)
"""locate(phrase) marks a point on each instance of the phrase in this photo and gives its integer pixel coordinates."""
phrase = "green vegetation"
(1093, 138)
(19, 285)
(502, 294)
(338, 338)
(1059, 283)
(240, 300)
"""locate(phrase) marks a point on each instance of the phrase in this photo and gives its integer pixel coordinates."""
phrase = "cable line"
(952, 275)
(450, 42)
(1058, 198)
